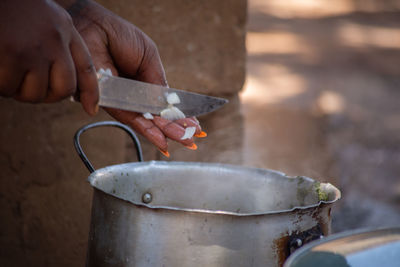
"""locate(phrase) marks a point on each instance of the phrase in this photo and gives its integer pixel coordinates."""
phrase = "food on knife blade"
(103, 74)
(171, 123)
(173, 99)
(172, 113)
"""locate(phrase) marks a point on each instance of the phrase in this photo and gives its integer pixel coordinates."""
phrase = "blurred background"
(314, 90)
(322, 99)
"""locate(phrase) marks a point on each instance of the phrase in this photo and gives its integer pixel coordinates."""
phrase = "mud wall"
(44, 197)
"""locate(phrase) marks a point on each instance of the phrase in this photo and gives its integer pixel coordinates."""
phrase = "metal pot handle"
(83, 156)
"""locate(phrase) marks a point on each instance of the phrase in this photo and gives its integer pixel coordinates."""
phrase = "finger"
(150, 132)
(62, 78)
(10, 81)
(85, 75)
(142, 126)
(200, 134)
(173, 131)
(34, 87)
(192, 122)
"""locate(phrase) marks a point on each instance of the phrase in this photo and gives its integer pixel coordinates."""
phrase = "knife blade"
(131, 95)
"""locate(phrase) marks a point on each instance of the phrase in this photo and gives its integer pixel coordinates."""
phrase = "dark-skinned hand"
(43, 57)
(116, 44)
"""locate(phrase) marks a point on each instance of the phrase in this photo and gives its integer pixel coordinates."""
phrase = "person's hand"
(120, 46)
(43, 58)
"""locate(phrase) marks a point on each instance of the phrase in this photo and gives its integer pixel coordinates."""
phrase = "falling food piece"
(148, 116)
(189, 132)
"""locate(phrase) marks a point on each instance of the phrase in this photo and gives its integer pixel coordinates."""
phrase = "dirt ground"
(322, 99)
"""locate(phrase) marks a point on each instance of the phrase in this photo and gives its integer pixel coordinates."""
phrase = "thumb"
(86, 75)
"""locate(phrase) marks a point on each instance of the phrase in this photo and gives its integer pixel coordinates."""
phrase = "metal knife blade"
(126, 94)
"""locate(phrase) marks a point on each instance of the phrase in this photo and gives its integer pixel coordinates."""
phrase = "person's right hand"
(42, 56)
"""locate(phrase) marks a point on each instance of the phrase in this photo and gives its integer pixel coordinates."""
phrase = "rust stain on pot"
(323, 216)
(280, 247)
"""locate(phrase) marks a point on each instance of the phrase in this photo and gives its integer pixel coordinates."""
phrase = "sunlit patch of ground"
(321, 99)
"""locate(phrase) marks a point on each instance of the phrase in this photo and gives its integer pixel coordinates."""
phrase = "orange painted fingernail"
(96, 109)
(201, 134)
(192, 147)
(165, 153)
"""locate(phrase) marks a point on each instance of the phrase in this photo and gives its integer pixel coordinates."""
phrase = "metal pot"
(201, 214)
(355, 248)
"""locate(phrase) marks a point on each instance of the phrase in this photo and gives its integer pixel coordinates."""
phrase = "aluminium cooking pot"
(354, 248)
(200, 214)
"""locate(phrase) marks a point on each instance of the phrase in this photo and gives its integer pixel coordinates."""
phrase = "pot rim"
(93, 176)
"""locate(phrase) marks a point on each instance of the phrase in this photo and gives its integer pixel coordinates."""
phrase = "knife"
(131, 95)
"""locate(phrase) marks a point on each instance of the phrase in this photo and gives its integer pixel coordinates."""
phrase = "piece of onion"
(148, 116)
(102, 74)
(173, 99)
(189, 132)
(172, 113)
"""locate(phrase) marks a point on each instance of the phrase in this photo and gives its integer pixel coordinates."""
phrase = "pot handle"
(127, 129)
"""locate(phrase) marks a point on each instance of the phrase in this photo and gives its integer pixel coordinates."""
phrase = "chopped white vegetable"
(148, 116)
(102, 74)
(172, 113)
(189, 132)
(102, 71)
(173, 99)
(108, 72)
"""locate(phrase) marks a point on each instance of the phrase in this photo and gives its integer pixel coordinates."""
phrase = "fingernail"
(96, 109)
(201, 134)
(165, 153)
(192, 147)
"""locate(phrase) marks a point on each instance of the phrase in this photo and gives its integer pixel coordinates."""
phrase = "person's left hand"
(120, 46)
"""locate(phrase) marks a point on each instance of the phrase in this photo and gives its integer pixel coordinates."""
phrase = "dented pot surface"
(202, 214)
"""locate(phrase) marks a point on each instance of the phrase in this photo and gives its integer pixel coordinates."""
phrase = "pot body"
(198, 214)
(355, 248)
